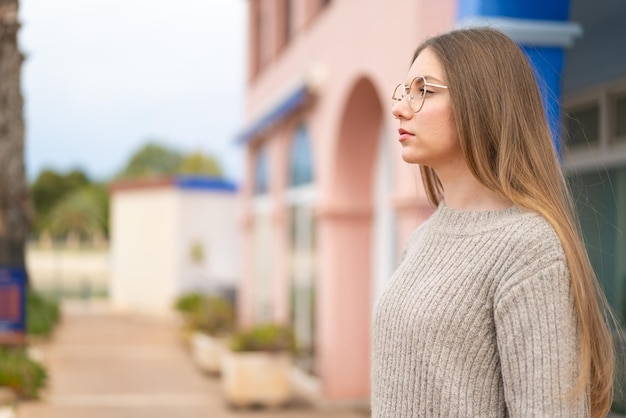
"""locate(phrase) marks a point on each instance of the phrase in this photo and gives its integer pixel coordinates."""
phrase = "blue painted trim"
(528, 32)
(291, 102)
(188, 182)
(523, 9)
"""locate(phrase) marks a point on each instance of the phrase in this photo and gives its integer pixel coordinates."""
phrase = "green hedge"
(42, 314)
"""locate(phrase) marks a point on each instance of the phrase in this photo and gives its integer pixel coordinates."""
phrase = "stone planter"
(256, 378)
(207, 352)
(8, 403)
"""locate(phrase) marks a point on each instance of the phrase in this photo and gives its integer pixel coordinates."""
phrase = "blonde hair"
(507, 145)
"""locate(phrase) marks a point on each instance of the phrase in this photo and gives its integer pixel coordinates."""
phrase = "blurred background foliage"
(72, 204)
(155, 160)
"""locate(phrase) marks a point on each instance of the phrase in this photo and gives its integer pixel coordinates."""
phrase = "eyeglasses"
(416, 92)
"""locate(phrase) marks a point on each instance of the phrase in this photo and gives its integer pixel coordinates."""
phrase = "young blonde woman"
(494, 310)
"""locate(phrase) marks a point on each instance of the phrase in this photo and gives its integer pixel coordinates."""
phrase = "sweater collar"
(470, 222)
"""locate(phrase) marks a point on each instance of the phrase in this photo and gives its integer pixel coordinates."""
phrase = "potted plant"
(212, 324)
(257, 366)
(188, 306)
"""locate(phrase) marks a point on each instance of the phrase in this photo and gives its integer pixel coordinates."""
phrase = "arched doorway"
(345, 235)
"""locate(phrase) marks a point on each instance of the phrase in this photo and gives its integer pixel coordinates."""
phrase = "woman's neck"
(464, 192)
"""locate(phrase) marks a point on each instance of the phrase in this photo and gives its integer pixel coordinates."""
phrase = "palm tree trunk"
(15, 207)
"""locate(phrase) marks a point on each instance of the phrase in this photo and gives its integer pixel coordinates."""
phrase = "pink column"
(344, 301)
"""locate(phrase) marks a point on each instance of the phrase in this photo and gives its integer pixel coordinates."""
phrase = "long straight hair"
(507, 145)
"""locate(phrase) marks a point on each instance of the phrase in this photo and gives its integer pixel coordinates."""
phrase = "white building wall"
(144, 235)
(208, 251)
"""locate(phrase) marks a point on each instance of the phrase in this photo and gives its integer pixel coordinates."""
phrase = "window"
(287, 21)
(600, 197)
(263, 256)
(255, 21)
(301, 198)
(262, 238)
(261, 176)
(303, 272)
(620, 118)
(597, 178)
(260, 36)
(583, 126)
(301, 165)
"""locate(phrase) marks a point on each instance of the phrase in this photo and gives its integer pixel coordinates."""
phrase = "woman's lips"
(404, 135)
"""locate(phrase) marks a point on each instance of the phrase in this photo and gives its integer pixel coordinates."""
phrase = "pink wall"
(363, 48)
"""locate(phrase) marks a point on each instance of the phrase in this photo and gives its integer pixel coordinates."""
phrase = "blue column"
(542, 29)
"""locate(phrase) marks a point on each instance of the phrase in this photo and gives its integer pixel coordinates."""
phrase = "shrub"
(189, 303)
(22, 374)
(267, 337)
(213, 315)
(216, 316)
(42, 314)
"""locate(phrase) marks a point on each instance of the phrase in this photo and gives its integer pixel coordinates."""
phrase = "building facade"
(170, 236)
(328, 202)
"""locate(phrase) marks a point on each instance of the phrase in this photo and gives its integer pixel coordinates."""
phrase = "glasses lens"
(398, 94)
(417, 94)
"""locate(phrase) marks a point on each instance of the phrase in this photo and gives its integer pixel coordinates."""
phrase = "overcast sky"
(102, 76)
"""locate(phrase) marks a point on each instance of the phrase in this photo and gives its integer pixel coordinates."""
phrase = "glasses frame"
(406, 88)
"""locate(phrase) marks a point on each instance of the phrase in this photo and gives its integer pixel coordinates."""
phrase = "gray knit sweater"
(477, 321)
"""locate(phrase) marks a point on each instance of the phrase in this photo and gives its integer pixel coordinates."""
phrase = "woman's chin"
(410, 157)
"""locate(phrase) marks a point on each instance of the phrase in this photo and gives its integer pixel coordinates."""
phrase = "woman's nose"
(399, 110)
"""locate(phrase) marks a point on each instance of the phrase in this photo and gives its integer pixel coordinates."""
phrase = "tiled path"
(106, 365)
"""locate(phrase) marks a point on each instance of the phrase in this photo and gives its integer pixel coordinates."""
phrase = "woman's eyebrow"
(432, 78)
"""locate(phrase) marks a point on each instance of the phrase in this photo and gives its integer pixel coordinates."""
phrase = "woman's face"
(428, 137)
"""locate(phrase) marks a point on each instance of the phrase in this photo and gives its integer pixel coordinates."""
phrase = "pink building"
(328, 202)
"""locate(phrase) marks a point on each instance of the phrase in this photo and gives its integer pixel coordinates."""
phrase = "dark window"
(620, 118)
(288, 21)
(301, 164)
(600, 198)
(261, 178)
(256, 38)
(583, 126)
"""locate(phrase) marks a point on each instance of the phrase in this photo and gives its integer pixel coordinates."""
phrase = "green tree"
(83, 212)
(199, 163)
(151, 160)
(50, 188)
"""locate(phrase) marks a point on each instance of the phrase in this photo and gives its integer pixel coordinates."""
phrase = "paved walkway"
(106, 365)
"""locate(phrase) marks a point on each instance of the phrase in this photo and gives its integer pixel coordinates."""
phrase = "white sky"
(102, 76)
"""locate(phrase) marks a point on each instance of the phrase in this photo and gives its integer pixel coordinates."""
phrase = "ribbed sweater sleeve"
(537, 338)
(478, 320)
